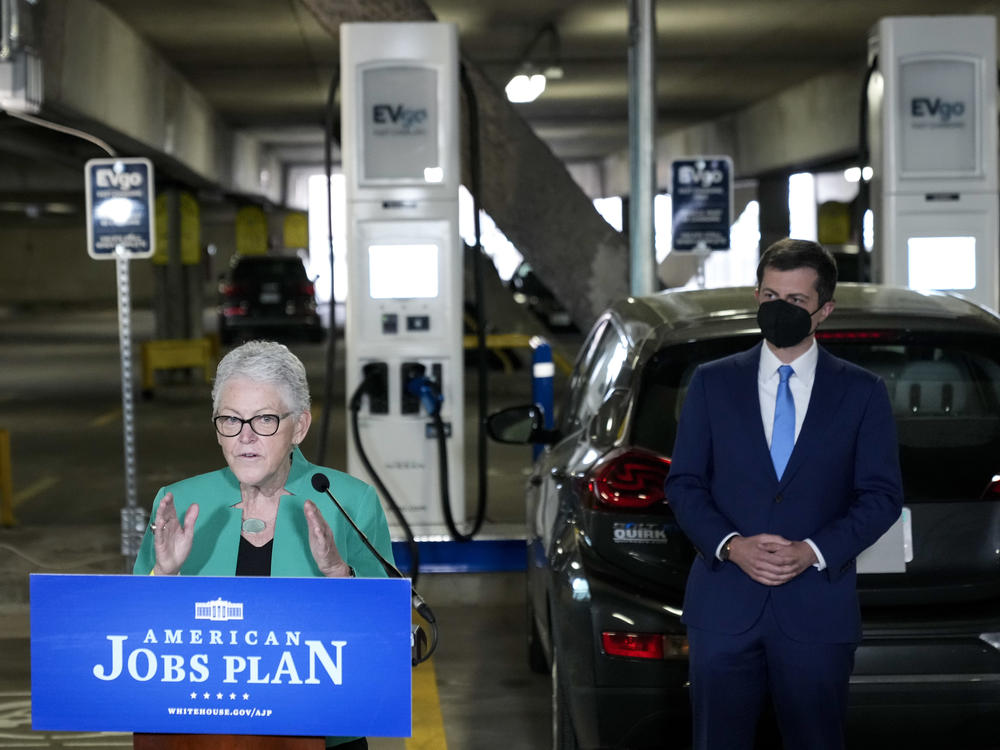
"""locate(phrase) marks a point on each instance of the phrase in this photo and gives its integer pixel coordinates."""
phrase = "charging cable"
(411, 542)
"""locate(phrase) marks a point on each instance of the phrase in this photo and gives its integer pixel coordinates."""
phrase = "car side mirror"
(520, 425)
(605, 426)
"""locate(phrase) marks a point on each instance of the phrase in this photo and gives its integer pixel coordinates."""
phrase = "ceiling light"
(529, 81)
(856, 174)
(524, 88)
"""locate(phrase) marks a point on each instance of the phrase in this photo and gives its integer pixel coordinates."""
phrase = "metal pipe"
(133, 517)
(642, 144)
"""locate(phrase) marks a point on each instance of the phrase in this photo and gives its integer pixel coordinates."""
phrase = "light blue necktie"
(783, 434)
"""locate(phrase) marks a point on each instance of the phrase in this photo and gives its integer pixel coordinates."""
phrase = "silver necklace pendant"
(253, 525)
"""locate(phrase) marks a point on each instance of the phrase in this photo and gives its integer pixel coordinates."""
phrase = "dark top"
(254, 561)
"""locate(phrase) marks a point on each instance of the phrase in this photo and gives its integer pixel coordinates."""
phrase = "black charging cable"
(331, 133)
(429, 392)
(411, 542)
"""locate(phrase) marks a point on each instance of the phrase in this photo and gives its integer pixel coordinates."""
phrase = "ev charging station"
(403, 334)
(933, 134)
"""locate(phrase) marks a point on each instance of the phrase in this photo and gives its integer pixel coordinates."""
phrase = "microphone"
(321, 483)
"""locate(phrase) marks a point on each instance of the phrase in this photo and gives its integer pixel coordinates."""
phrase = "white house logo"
(218, 610)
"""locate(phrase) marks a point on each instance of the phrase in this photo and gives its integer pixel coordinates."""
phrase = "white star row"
(220, 696)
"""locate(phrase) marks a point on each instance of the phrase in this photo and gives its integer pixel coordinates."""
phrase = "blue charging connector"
(428, 392)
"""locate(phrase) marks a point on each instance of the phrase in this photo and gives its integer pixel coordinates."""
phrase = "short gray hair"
(265, 362)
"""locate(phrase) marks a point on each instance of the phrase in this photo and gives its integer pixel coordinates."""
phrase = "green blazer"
(217, 530)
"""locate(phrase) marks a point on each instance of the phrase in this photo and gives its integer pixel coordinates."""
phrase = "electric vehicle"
(607, 562)
(268, 295)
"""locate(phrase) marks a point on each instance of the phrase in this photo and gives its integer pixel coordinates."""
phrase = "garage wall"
(46, 261)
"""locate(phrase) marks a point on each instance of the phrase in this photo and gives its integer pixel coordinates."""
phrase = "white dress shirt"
(800, 384)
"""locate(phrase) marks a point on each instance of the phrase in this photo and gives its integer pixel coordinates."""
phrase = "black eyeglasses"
(264, 425)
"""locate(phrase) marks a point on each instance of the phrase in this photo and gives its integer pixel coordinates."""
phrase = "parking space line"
(106, 418)
(428, 725)
(34, 489)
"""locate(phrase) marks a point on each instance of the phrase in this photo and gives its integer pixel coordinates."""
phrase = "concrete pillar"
(177, 296)
(772, 196)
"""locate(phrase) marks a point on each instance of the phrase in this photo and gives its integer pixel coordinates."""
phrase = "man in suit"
(785, 468)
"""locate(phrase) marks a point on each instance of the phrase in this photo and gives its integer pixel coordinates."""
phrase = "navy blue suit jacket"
(841, 489)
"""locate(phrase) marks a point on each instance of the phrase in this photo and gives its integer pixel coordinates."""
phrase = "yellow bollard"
(6, 482)
(173, 354)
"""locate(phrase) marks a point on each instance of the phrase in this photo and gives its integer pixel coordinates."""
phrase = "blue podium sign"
(120, 208)
(702, 203)
(272, 656)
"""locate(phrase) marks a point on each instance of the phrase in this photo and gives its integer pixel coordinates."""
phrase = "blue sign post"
(120, 208)
(702, 200)
(202, 655)
(120, 227)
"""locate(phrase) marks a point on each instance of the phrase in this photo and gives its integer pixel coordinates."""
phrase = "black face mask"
(784, 324)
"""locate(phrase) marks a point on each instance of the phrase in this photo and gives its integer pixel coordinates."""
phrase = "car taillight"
(992, 491)
(629, 478)
(229, 289)
(307, 289)
(644, 645)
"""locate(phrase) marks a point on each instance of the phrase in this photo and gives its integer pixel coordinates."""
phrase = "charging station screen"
(400, 125)
(403, 271)
(942, 262)
(940, 133)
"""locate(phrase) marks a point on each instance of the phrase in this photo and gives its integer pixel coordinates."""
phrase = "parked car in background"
(268, 296)
(529, 290)
(607, 562)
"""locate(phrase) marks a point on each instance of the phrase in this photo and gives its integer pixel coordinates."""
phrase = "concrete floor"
(60, 400)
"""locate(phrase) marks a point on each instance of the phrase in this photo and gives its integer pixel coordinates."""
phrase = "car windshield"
(944, 389)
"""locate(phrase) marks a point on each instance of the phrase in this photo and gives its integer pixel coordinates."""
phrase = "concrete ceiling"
(266, 65)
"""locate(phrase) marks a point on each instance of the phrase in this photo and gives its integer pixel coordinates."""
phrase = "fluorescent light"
(856, 174)
(523, 88)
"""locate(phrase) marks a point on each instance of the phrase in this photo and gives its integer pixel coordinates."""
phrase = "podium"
(187, 663)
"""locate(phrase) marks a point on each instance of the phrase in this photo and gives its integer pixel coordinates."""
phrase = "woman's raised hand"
(324, 549)
(171, 540)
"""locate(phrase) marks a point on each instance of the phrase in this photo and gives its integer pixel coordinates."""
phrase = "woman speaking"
(255, 517)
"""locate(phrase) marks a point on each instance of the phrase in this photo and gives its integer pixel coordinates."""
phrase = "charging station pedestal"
(400, 140)
(933, 135)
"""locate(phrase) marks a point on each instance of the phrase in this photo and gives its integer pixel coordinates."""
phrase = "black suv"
(270, 296)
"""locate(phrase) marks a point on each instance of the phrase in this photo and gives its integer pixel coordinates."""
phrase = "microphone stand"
(321, 483)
